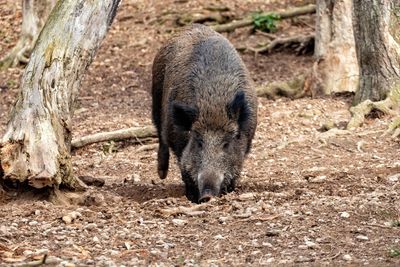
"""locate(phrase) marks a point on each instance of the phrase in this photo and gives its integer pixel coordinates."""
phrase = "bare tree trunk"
(336, 68)
(377, 34)
(34, 16)
(376, 29)
(36, 144)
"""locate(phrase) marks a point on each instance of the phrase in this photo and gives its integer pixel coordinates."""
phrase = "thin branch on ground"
(123, 134)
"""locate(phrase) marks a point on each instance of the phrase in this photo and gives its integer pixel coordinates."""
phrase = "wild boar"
(205, 109)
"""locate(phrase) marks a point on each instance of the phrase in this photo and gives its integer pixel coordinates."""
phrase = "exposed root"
(361, 110)
(301, 43)
(297, 11)
(65, 198)
(394, 128)
(292, 89)
(18, 55)
(123, 134)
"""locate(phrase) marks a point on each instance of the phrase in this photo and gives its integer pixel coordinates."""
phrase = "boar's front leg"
(163, 159)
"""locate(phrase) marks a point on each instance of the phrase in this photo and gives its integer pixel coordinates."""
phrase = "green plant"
(394, 253)
(396, 223)
(265, 22)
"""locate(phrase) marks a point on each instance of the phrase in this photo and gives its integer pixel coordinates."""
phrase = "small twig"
(147, 147)
(266, 34)
(35, 263)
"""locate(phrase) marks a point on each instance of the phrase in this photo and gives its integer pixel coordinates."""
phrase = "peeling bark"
(37, 141)
(34, 16)
(335, 69)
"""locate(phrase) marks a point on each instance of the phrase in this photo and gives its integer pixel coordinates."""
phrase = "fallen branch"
(123, 134)
(202, 18)
(302, 43)
(297, 11)
(195, 210)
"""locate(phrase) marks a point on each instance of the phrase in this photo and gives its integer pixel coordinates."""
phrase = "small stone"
(179, 222)
(267, 244)
(344, 215)
(91, 226)
(223, 219)
(37, 212)
(269, 260)
(246, 196)
(219, 237)
(394, 178)
(311, 244)
(114, 252)
(41, 252)
(362, 237)
(272, 232)
(127, 245)
(318, 179)
(96, 239)
(347, 257)
(27, 253)
(33, 223)
(136, 178)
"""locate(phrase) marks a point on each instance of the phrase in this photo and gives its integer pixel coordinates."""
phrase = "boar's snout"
(209, 185)
(206, 195)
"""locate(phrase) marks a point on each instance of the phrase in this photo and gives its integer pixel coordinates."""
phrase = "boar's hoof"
(162, 174)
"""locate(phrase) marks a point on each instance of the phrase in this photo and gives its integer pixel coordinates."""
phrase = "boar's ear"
(183, 115)
(239, 110)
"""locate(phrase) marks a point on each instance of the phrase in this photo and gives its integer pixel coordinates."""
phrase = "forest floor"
(305, 197)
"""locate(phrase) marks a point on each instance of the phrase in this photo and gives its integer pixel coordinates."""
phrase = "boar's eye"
(199, 142)
(225, 145)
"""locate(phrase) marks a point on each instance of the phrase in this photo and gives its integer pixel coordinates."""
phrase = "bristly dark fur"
(183, 116)
(239, 109)
(204, 109)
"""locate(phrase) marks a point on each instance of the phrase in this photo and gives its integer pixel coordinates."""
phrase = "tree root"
(394, 128)
(123, 134)
(302, 43)
(361, 110)
(292, 89)
(19, 55)
(298, 11)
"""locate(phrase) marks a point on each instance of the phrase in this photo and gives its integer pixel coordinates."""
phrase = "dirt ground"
(305, 197)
